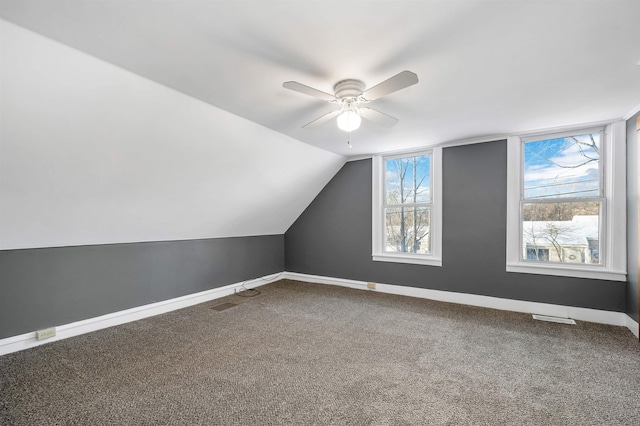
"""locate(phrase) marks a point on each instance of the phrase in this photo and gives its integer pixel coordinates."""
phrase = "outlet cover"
(371, 286)
(46, 333)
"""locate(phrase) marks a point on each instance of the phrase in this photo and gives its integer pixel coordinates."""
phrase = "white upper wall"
(93, 154)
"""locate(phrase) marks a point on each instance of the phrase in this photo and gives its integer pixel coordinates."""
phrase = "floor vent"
(554, 319)
(223, 306)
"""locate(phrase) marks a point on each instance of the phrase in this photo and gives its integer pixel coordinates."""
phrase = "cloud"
(553, 173)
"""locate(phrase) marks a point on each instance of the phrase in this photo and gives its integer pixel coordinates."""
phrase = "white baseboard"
(581, 314)
(28, 340)
(633, 326)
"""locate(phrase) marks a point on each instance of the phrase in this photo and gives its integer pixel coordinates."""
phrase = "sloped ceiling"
(485, 67)
(94, 154)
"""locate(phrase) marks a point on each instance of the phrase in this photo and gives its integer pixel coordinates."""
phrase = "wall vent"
(554, 319)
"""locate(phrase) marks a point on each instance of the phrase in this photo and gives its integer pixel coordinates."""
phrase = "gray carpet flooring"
(307, 354)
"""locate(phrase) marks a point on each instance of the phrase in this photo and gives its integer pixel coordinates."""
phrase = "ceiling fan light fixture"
(349, 121)
(349, 95)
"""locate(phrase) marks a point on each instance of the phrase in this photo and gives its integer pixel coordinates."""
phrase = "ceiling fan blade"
(323, 118)
(393, 84)
(378, 117)
(299, 87)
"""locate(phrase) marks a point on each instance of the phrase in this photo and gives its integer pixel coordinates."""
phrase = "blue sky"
(561, 167)
(423, 177)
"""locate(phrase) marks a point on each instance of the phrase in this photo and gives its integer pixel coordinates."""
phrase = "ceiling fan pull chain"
(349, 140)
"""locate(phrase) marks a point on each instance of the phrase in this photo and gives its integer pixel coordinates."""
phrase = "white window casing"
(613, 215)
(378, 229)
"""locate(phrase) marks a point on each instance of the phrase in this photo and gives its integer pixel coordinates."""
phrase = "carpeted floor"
(307, 354)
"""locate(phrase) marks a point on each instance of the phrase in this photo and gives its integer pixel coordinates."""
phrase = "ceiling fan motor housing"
(349, 95)
(346, 89)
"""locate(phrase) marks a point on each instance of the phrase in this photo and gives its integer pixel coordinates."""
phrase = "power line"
(563, 193)
(559, 184)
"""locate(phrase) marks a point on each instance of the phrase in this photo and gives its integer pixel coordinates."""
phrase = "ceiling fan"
(349, 97)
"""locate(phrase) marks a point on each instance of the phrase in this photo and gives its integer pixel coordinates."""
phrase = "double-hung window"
(566, 203)
(407, 207)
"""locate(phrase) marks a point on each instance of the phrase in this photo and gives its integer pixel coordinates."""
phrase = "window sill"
(406, 258)
(596, 273)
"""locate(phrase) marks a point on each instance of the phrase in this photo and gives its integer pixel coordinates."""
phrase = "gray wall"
(53, 286)
(632, 218)
(333, 237)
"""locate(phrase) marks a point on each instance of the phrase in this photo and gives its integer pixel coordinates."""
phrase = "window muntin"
(562, 200)
(407, 206)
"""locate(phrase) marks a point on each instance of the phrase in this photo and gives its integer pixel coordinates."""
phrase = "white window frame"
(613, 243)
(378, 230)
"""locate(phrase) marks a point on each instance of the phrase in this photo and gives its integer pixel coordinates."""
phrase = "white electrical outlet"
(46, 333)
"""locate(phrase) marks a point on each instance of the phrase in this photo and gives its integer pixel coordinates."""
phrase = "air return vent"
(223, 306)
(554, 319)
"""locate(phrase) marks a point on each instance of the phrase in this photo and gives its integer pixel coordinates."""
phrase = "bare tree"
(543, 233)
(552, 232)
(531, 234)
(551, 222)
(589, 150)
(405, 229)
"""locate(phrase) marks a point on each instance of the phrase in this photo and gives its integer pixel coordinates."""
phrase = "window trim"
(614, 265)
(378, 230)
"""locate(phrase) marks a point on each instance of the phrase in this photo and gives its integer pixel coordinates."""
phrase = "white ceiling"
(485, 67)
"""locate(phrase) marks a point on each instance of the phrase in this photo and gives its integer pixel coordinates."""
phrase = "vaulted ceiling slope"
(486, 67)
(91, 154)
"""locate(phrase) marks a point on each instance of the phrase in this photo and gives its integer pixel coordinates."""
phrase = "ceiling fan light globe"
(349, 121)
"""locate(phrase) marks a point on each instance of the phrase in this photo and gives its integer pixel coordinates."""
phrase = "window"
(566, 203)
(407, 208)
(562, 197)
(534, 253)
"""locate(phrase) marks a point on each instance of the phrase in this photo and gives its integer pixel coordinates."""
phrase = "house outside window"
(407, 207)
(566, 203)
(536, 253)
